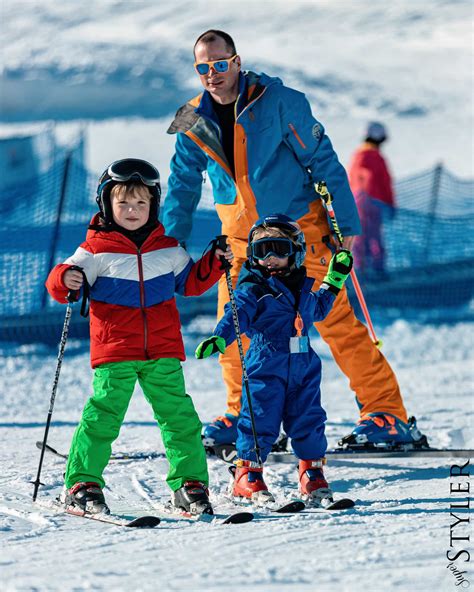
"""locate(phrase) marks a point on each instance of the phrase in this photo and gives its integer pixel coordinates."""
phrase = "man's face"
(222, 85)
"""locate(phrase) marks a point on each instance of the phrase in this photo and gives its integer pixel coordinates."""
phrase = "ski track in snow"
(398, 534)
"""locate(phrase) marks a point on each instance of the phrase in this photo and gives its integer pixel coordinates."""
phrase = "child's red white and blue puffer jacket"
(133, 313)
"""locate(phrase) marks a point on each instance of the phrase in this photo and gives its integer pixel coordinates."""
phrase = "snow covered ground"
(396, 539)
(122, 69)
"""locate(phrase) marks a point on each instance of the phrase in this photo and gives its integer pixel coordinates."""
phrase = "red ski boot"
(313, 486)
(248, 482)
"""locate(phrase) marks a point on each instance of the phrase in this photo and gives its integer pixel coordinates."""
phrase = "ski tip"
(239, 518)
(144, 522)
(291, 507)
(341, 504)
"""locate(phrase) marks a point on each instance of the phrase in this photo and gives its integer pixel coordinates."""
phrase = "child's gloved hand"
(339, 268)
(211, 345)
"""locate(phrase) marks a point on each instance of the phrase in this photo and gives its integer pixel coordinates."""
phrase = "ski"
(112, 519)
(140, 522)
(370, 454)
(235, 518)
(340, 504)
(116, 456)
(227, 452)
(291, 507)
(330, 505)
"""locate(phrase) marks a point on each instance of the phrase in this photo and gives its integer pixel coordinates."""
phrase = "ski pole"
(226, 265)
(71, 298)
(326, 197)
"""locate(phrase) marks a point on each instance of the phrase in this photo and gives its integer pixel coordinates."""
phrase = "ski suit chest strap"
(275, 343)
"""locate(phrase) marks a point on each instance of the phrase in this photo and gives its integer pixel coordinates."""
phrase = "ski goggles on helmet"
(133, 168)
(221, 66)
(271, 246)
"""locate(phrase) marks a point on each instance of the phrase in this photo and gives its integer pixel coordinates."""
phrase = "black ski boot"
(192, 497)
(86, 496)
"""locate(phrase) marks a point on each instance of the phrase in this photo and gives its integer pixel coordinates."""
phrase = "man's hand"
(211, 345)
(73, 279)
(339, 268)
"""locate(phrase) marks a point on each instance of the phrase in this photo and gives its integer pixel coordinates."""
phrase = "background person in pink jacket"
(371, 185)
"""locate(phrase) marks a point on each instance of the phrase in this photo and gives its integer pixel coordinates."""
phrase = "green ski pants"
(162, 382)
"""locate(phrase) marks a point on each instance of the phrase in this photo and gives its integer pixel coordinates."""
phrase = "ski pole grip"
(221, 243)
(73, 295)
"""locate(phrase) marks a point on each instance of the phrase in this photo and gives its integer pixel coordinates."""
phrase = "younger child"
(133, 270)
(276, 307)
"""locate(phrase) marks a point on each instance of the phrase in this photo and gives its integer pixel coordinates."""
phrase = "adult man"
(263, 151)
(371, 185)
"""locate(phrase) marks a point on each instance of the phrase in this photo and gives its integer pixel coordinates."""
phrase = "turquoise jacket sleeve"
(184, 188)
(313, 149)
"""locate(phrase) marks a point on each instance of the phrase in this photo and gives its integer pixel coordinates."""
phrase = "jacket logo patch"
(316, 131)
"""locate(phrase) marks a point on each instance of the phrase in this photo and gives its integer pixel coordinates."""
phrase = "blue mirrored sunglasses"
(221, 66)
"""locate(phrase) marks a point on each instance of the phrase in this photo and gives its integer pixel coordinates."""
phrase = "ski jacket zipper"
(141, 282)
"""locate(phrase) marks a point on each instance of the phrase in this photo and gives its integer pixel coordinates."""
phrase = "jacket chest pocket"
(258, 125)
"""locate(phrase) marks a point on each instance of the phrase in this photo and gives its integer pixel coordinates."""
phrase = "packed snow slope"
(123, 69)
(395, 540)
(407, 63)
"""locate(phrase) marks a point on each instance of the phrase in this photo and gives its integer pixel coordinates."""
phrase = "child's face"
(130, 211)
(273, 262)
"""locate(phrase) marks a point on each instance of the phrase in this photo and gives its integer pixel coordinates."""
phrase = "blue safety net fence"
(47, 198)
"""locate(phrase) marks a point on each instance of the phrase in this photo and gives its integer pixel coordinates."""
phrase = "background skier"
(371, 184)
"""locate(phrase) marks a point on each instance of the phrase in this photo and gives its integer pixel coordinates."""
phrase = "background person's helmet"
(128, 170)
(376, 131)
(290, 229)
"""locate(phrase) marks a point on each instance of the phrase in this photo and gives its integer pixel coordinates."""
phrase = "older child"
(276, 307)
(133, 270)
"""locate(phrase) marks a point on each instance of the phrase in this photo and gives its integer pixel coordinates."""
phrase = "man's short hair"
(212, 35)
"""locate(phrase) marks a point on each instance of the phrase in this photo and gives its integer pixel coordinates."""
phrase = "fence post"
(54, 242)
(438, 171)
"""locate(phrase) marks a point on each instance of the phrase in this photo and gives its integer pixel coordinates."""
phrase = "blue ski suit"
(284, 386)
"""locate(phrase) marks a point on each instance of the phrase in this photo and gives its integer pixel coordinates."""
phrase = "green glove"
(211, 345)
(339, 268)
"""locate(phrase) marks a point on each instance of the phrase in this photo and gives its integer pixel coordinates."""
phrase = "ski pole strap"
(218, 243)
(323, 191)
(221, 243)
(73, 295)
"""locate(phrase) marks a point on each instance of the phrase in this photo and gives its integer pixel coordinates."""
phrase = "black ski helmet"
(127, 171)
(290, 228)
